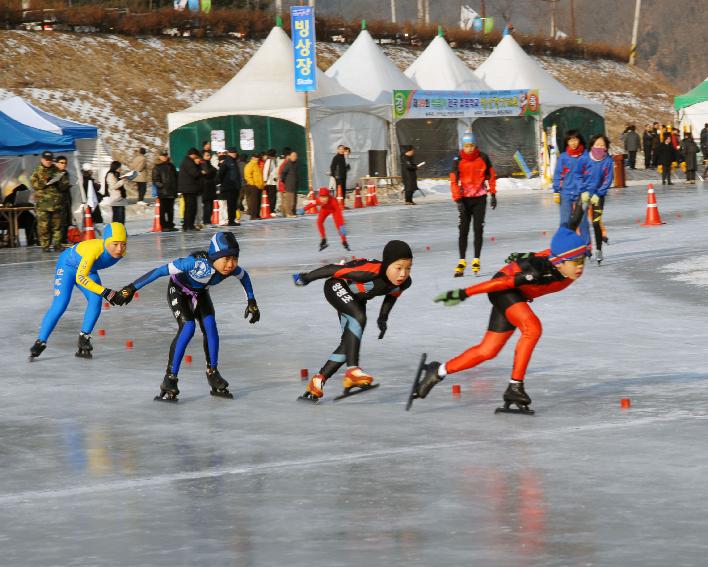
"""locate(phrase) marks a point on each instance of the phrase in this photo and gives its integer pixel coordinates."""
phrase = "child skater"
(526, 277)
(347, 289)
(189, 299)
(568, 180)
(78, 266)
(597, 179)
(328, 206)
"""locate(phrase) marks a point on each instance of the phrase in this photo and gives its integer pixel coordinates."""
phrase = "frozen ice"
(94, 472)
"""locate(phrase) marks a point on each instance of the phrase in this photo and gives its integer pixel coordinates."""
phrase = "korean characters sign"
(302, 21)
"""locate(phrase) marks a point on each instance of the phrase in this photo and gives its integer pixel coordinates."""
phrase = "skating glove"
(128, 292)
(253, 311)
(585, 197)
(594, 200)
(298, 281)
(113, 297)
(451, 298)
(493, 202)
(557, 198)
(383, 326)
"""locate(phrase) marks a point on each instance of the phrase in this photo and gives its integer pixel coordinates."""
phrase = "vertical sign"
(302, 23)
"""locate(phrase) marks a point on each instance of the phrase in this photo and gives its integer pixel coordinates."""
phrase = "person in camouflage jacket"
(48, 200)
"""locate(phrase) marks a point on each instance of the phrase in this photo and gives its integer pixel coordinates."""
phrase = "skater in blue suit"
(78, 266)
(568, 182)
(189, 300)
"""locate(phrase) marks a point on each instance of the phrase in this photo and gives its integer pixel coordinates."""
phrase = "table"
(390, 186)
(11, 215)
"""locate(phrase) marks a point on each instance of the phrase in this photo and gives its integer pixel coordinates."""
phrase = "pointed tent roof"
(439, 69)
(264, 87)
(509, 67)
(20, 110)
(694, 96)
(367, 72)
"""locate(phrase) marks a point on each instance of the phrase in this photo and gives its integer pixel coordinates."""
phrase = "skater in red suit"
(524, 278)
(347, 289)
(328, 206)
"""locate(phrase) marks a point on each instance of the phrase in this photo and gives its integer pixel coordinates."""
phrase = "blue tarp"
(18, 139)
(74, 129)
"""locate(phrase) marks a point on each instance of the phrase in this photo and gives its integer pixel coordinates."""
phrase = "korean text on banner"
(302, 20)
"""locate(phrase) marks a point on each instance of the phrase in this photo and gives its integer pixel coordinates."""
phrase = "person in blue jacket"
(568, 180)
(597, 179)
(188, 298)
(78, 267)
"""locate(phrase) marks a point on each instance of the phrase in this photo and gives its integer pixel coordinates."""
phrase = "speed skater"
(189, 299)
(328, 206)
(347, 289)
(78, 266)
(526, 277)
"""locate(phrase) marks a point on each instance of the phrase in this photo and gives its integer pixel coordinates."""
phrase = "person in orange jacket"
(328, 206)
(471, 179)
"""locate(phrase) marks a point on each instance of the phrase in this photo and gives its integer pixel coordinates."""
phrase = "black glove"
(383, 325)
(128, 292)
(113, 297)
(252, 310)
(493, 204)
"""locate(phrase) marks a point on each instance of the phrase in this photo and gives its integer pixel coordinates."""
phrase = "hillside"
(126, 86)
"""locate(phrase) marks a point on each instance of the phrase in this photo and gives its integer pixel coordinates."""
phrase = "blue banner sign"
(302, 22)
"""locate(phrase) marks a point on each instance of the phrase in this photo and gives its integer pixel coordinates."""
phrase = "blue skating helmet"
(223, 244)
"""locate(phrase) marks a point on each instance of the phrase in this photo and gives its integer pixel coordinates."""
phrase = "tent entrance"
(587, 122)
(435, 141)
(500, 138)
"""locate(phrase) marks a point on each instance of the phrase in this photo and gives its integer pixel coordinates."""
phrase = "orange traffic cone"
(88, 232)
(358, 204)
(370, 194)
(340, 197)
(653, 217)
(265, 205)
(215, 213)
(156, 225)
(309, 201)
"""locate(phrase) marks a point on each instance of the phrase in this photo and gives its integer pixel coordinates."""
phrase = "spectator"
(48, 201)
(164, 176)
(230, 176)
(253, 175)
(689, 149)
(409, 172)
(270, 177)
(648, 145)
(115, 189)
(208, 186)
(189, 183)
(338, 170)
(289, 177)
(657, 141)
(704, 141)
(139, 166)
(632, 144)
(666, 155)
(64, 187)
(19, 196)
(282, 160)
(86, 176)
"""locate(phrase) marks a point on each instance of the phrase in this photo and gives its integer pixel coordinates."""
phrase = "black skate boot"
(323, 244)
(168, 389)
(346, 245)
(36, 349)
(219, 386)
(515, 394)
(85, 346)
(425, 379)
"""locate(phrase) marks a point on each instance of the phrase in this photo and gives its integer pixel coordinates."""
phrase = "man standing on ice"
(526, 277)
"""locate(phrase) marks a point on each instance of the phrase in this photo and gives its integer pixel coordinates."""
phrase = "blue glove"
(298, 281)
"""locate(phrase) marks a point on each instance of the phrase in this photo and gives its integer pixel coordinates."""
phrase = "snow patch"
(693, 271)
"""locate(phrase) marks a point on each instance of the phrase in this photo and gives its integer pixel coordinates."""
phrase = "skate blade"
(308, 398)
(159, 398)
(354, 390)
(458, 275)
(77, 355)
(524, 411)
(413, 395)
(225, 395)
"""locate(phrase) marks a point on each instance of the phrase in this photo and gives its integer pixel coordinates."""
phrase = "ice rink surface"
(94, 472)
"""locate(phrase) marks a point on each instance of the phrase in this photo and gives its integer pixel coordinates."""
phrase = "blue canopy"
(18, 139)
(69, 128)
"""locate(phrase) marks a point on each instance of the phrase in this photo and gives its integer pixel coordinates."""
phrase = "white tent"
(264, 87)
(510, 67)
(692, 109)
(439, 69)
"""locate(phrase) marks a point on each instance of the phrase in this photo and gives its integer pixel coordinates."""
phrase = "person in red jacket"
(328, 206)
(471, 178)
(348, 289)
(525, 277)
